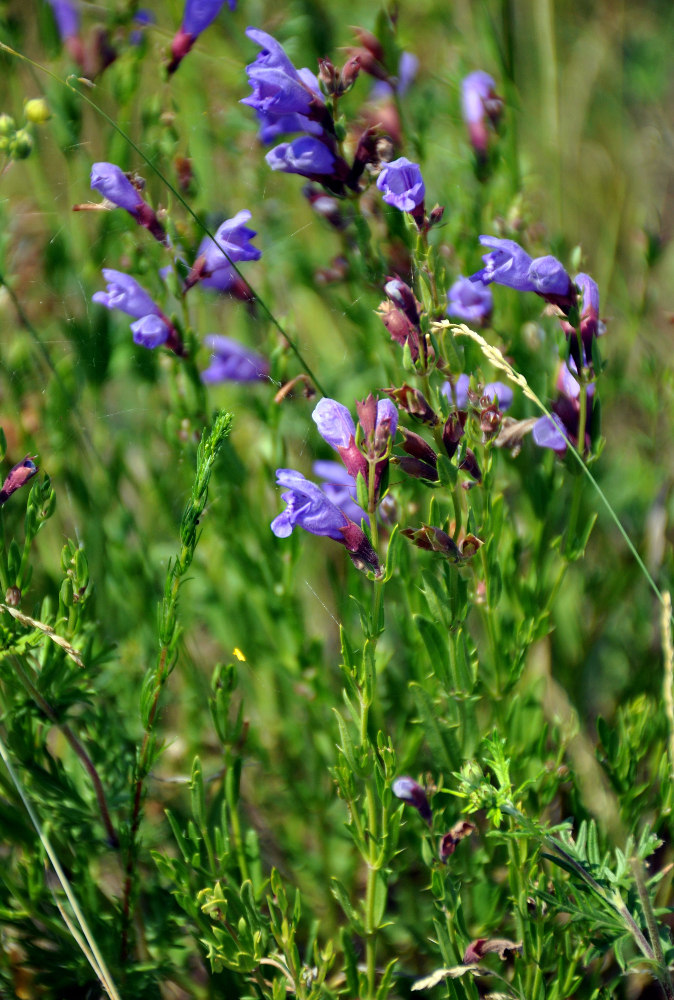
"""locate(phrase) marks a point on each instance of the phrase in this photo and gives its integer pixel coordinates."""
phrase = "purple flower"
(457, 394)
(507, 264)
(197, 16)
(142, 18)
(335, 423)
(200, 14)
(67, 17)
(308, 507)
(307, 156)
(126, 294)
(115, 186)
(402, 185)
(479, 103)
(379, 422)
(410, 791)
(549, 278)
(151, 328)
(549, 432)
(476, 89)
(470, 301)
(278, 88)
(232, 362)
(110, 181)
(590, 293)
(151, 331)
(561, 427)
(214, 265)
(340, 488)
(17, 477)
(590, 324)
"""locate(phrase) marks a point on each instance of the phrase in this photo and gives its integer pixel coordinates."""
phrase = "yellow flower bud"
(37, 110)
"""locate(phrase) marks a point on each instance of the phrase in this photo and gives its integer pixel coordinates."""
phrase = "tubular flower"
(470, 301)
(557, 430)
(198, 15)
(478, 103)
(306, 156)
(110, 181)
(232, 362)
(213, 265)
(403, 186)
(308, 507)
(410, 791)
(340, 488)
(151, 328)
(379, 421)
(508, 264)
(278, 88)
(590, 324)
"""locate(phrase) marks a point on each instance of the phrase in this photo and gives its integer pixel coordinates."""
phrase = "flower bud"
(413, 402)
(328, 76)
(21, 145)
(433, 540)
(7, 124)
(37, 111)
(469, 465)
(452, 432)
(410, 791)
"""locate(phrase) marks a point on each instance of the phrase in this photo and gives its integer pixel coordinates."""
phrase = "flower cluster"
(287, 100)
(332, 511)
(213, 268)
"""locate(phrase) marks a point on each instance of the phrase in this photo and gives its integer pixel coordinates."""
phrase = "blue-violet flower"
(508, 264)
(470, 301)
(197, 16)
(307, 156)
(402, 185)
(232, 362)
(340, 488)
(110, 181)
(213, 266)
(478, 103)
(152, 327)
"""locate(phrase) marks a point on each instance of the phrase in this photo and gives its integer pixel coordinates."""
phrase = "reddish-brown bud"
(413, 402)
(357, 544)
(469, 465)
(452, 432)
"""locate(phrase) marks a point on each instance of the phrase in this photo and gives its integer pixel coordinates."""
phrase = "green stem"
(75, 745)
